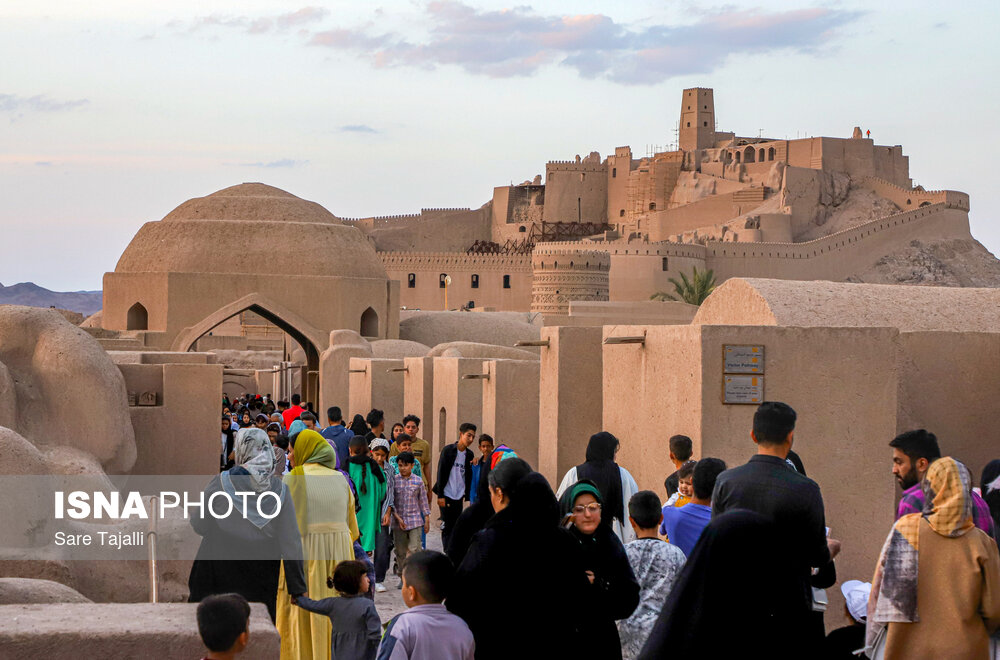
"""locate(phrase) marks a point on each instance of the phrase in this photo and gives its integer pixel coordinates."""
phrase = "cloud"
(43, 163)
(284, 162)
(520, 41)
(357, 128)
(258, 25)
(19, 106)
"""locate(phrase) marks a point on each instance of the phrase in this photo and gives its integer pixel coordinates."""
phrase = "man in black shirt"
(681, 449)
(770, 487)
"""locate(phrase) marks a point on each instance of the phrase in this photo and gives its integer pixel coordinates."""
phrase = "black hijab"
(992, 497)
(736, 595)
(365, 458)
(601, 468)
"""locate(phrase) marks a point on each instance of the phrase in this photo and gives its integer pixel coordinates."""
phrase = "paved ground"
(390, 603)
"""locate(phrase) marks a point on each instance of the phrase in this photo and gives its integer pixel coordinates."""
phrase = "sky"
(113, 113)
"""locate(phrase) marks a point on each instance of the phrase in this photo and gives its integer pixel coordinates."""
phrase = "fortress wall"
(839, 255)
(712, 210)
(908, 199)
(652, 183)
(514, 208)
(438, 230)
(619, 168)
(427, 268)
(576, 192)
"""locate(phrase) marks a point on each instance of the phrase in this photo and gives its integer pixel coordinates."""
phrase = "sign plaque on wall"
(741, 359)
(742, 389)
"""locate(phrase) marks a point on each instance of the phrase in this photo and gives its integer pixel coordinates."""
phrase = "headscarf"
(990, 485)
(296, 427)
(373, 467)
(948, 505)
(359, 427)
(501, 453)
(379, 442)
(602, 470)
(254, 453)
(738, 559)
(579, 488)
(310, 447)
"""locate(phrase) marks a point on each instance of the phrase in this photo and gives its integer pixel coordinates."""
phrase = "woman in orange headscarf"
(324, 508)
(936, 590)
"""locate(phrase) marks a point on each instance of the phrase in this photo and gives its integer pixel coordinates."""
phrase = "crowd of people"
(735, 561)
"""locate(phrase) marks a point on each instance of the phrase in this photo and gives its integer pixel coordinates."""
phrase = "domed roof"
(251, 201)
(251, 229)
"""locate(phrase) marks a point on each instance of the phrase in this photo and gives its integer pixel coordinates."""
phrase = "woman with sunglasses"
(613, 591)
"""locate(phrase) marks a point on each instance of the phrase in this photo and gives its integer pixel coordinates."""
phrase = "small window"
(665, 264)
(475, 281)
(621, 213)
(689, 125)
(614, 172)
(522, 229)
(652, 206)
(411, 281)
(506, 281)
(704, 123)
(441, 280)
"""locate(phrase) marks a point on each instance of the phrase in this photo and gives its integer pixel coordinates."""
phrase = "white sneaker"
(379, 588)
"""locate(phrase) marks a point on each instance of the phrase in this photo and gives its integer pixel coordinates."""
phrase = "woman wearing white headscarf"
(242, 552)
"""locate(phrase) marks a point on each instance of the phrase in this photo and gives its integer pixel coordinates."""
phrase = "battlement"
(632, 248)
(574, 166)
(461, 260)
(456, 209)
(906, 199)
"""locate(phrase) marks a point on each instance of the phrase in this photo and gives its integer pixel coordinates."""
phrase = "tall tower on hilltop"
(697, 119)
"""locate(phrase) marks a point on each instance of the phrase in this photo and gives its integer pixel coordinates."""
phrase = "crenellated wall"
(561, 275)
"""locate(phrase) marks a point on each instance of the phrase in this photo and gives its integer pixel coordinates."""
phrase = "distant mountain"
(29, 293)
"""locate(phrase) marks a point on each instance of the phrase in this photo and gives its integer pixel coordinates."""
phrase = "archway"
(369, 323)
(138, 318)
(310, 376)
(749, 155)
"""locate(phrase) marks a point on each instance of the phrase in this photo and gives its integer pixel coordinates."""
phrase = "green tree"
(693, 291)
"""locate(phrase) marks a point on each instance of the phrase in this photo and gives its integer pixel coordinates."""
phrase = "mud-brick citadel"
(618, 228)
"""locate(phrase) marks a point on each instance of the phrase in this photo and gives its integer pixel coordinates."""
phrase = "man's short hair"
(358, 442)
(403, 437)
(430, 573)
(347, 577)
(296, 399)
(221, 620)
(917, 444)
(405, 458)
(282, 441)
(486, 438)
(307, 416)
(706, 471)
(686, 470)
(772, 422)
(334, 414)
(282, 404)
(645, 509)
(375, 417)
(411, 418)
(466, 427)
(681, 447)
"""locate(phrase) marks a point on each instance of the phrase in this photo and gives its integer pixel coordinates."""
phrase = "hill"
(29, 293)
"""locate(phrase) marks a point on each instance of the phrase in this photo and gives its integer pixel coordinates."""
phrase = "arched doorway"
(369, 324)
(310, 375)
(749, 155)
(138, 318)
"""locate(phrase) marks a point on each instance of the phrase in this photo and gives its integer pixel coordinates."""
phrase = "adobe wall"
(673, 383)
(68, 631)
(376, 383)
(510, 405)
(651, 185)
(653, 312)
(430, 230)
(179, 434)
(963, 417)
(571, 375)
(837, 256)
(908, 199)
(418, 393)
(456, 400)
(516, 208)
(709, 211)
(576, 191)
(619, 168)
(490, 269)
(334, 363)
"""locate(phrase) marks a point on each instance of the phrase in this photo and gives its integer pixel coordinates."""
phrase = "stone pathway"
(390, 603)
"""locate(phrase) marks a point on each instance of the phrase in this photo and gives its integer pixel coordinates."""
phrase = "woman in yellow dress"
(324, 509)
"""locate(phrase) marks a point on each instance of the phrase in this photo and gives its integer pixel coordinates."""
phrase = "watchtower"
(697, 119)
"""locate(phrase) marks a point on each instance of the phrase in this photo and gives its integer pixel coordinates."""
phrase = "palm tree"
(693, 291)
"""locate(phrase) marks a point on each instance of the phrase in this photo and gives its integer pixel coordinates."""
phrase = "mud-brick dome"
(251, 228)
